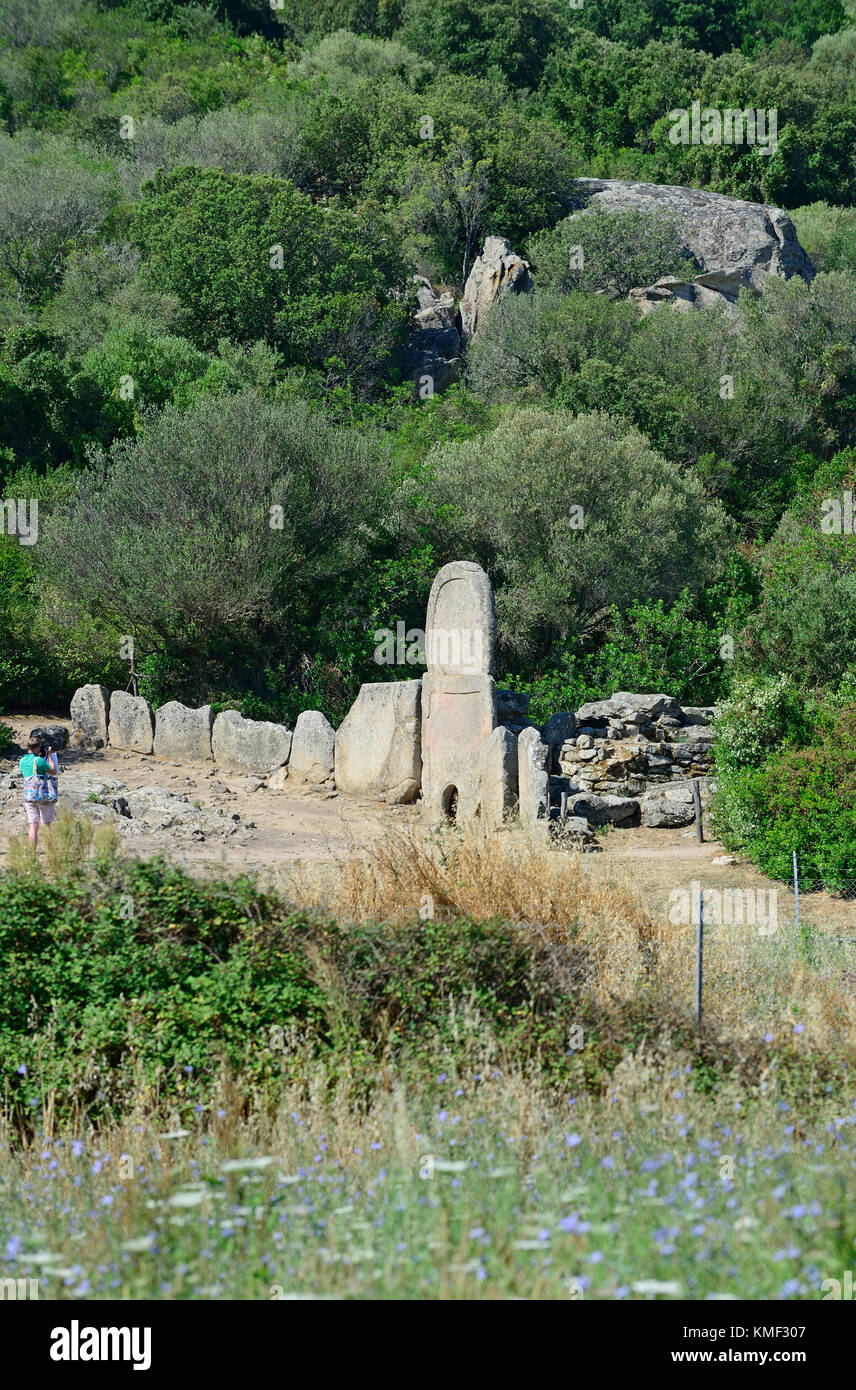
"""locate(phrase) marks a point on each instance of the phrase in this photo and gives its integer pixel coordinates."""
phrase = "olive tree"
(53, 198)
(570, 515)
(219, 529)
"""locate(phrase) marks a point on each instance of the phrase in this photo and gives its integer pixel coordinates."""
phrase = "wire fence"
(729, 914)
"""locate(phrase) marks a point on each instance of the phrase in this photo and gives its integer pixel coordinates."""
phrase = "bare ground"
(299, 823)
(306, 824)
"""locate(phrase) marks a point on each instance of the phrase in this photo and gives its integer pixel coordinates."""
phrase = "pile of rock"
(433, 347)
(136, 812)
(631, 760)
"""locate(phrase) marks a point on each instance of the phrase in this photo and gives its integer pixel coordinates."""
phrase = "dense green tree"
(51, 409)
(219, 530)
(253, 258)
(570, 516)
(472, 36)
(805, 625)
(715, 25)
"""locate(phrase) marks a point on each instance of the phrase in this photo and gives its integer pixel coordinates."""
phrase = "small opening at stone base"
(449, 802)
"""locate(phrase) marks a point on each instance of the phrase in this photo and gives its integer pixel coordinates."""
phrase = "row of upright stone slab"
(467, 747)
(185, 735)
(443, 736)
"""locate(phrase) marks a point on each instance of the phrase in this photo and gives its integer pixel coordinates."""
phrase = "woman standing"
(39, 768)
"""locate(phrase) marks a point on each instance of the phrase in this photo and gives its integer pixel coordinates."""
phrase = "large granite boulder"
(496, 272)
(132, 723)
(313, 749)
(433, 345)
(182, 734)
(249, 745)
(378, 747)
(90, 713)
(735, 244)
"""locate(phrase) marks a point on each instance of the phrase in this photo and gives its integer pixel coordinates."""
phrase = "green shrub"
(138, 979)
(828, 234)
(648, 646)
(570, 515)
(800, 798)
(611, 251)
(742, 398)
(190, 556)
(759, 717)
(805, 623)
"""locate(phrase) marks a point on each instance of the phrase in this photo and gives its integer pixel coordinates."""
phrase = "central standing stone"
(458, 703)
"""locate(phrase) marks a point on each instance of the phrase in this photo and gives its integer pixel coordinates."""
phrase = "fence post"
(697, 804)
(699, 957)
(796, 890)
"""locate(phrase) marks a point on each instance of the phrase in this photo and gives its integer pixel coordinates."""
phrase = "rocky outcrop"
(433, 347)
(683, 295)
(249, 745)
(735, 244)
(496, 272)
(379, 743)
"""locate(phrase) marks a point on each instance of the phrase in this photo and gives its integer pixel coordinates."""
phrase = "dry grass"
(509, 876)
(64, 847)
(785, 984)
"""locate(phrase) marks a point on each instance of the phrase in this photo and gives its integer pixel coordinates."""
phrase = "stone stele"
(458, 701)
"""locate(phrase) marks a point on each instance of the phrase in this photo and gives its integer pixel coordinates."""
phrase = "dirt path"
(280, 827)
